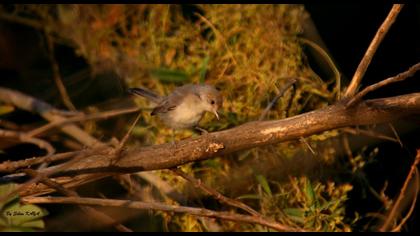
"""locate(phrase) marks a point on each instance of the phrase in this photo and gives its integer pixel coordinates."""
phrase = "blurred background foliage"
(249, 52)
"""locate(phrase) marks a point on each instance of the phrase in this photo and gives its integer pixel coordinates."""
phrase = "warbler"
(185, 106)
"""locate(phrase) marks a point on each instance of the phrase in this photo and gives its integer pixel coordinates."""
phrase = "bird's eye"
(212, 102)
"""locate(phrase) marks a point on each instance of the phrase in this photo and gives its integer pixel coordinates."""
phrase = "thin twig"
(348, 151)
(119, 149)
(162, 186)
(133, 187)
(412, 207)
(376, 41)
(31, 104)
(395, 134)
(21, 20)
(22, 137)
(368, 133)
(68, 182)
(89, 210)
(97, 116)
(347, 148)
(400, 77)
(11, 166)
(160, 207)
(304, 141)
(9, 125)
(127, 135)
(48, 172)
(393, 213)
(216, 194)
(279, 95)
(56, 74)
(66, 113)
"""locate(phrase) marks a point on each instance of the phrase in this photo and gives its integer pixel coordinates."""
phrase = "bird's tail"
(153, 97)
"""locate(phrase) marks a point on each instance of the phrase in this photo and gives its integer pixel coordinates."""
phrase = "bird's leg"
(203, 131)
(173, 138)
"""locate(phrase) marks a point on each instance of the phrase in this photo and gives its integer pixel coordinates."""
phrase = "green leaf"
(18, 214)
(170, 76)
(296, 214)
(203, 69)
(4, 109)
(6, 189)
(310, 194)
(34, 224)
(264, 184)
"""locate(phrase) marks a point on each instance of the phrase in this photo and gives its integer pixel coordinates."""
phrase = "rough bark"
(250, 135)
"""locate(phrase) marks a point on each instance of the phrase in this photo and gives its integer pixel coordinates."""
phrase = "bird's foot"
(203, 131)
(174, 145)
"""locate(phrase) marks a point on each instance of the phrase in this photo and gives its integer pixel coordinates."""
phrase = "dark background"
(347, 30)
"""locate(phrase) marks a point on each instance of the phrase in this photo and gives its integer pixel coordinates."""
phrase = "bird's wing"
(168, 103)
(163, 107)
(174, 99)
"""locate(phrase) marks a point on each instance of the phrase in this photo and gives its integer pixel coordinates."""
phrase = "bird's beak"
(216, 114)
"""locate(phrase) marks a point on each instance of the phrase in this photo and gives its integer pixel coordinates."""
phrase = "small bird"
(185, 106)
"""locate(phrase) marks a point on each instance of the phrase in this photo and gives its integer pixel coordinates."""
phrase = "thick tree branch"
(250, 135)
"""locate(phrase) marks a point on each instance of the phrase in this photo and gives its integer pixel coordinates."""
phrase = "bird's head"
(212, 99)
